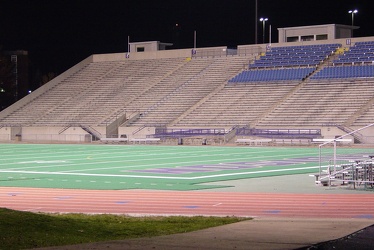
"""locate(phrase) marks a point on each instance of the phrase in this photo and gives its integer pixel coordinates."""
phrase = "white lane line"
(160, 177)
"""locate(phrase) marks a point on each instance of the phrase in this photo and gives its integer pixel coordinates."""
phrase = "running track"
(136, 202)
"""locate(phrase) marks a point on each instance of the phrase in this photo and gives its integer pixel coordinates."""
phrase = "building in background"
(315, 33)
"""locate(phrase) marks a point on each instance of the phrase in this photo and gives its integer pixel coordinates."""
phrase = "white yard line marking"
(41, 162)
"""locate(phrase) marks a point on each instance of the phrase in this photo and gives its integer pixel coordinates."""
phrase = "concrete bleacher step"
(177, 92)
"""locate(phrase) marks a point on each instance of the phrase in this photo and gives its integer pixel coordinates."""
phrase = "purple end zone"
(235, 165)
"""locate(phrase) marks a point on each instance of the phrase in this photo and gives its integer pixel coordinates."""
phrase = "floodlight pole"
(194, 39)
(263, 20)
(353, 12)
(128, 44)
(128, 47)
(270, 34)
(256, 24)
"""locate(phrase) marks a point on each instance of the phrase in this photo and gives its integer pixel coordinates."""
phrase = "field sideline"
(117, 167)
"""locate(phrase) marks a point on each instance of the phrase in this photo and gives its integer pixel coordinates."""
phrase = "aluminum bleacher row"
(100, 92)
(194, 93)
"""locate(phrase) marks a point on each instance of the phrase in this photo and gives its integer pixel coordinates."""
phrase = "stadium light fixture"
(352, 12)
(263, 20)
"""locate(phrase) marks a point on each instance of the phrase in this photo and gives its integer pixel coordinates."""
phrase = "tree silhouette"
(7, 83)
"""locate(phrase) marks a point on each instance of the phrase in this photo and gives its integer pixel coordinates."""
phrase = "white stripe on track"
(160, 177)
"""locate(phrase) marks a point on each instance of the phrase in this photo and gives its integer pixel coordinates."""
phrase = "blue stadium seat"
(361, 52)
(352, 71)
(267, 75)
(307, 55)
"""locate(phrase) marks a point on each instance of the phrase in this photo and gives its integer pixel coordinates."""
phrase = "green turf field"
(148, 167)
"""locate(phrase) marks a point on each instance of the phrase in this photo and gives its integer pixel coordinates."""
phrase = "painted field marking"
(211, 161)
(122, 202)
(141, 160)
(158, 177)
(133, 158)
(157, 164)
(42, 162)
(106, 152)
(13, 194)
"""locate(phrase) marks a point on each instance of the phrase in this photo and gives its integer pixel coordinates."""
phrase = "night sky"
(60, 33)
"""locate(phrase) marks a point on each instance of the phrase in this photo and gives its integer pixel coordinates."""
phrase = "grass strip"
(21, 230)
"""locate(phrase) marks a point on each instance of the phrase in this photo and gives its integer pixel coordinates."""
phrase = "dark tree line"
(7, 82)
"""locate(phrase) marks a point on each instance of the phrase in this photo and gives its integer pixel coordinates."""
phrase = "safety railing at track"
(329, 171)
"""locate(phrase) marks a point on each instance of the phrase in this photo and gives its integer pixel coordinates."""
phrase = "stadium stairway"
(168, 74)
(193, 91)
(364, 109)
(199, 103)
(273, 107)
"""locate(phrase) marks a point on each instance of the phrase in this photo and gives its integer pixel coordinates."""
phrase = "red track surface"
(136, 202)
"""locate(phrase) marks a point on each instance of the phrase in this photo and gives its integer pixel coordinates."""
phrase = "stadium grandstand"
(299, 90)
